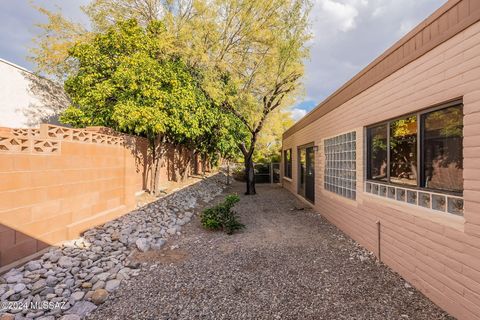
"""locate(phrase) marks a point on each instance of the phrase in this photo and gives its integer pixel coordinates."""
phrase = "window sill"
(287, 179)
(443, 218)
(412, 187)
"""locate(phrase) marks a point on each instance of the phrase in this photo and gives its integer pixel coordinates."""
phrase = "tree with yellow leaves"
(247, 54)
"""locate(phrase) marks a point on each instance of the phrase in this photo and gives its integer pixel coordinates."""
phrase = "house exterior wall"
(26, 100)
(438, 253)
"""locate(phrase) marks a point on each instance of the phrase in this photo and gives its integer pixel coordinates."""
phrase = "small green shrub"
(222, 217)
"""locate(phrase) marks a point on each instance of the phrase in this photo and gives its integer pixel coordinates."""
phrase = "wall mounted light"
(315, 148)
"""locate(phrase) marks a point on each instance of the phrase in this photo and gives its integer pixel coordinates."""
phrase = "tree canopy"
(269, 142)
(157, 67)
(127, 78)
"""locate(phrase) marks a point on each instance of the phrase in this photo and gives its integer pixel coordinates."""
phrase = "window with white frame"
(340, 165)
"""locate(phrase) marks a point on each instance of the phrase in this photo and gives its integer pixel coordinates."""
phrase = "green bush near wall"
(222, 217)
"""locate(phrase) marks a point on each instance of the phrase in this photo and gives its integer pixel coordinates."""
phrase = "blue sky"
(17, 22)
(348, 34)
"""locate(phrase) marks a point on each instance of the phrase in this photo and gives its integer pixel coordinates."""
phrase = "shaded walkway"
(287, 264)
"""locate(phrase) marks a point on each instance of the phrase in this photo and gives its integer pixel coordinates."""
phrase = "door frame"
(299, 148)
(310, 178)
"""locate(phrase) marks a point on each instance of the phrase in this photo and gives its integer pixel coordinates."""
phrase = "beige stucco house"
(26, 99)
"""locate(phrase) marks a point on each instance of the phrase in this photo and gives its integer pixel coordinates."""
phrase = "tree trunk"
(156, 155)
(228, 172)
(249, 169)
(249, 175)
(204, 164)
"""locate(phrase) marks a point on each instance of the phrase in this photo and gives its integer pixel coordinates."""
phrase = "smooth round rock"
(78, 295)
(112, 285)
(19, 287)
(99, 296)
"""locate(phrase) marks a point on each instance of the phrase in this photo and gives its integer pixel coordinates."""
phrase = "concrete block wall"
(438, 253)
(56, 182)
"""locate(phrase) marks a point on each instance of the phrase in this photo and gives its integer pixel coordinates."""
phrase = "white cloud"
(378, 11)
(349, 34)
(298, 113)
(405, 27)
(341, 15)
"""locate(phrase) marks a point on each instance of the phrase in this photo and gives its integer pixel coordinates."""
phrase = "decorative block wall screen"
(340, 165)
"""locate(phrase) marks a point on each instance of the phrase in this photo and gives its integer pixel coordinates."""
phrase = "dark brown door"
(306, 173)
(302, 170)
(310, 174)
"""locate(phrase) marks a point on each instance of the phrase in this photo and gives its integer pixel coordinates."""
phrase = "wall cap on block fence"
(103, 130)
(25, 132)
(5, 131)
(48, 138)
(27, 145)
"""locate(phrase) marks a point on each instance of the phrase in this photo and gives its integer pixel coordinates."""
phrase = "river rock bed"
(288, 263)
(68, 282)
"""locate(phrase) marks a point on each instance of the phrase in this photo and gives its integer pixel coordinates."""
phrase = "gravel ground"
(287, 264)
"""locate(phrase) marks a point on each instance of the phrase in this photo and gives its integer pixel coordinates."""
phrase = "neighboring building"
(26, 99)
(393, 157)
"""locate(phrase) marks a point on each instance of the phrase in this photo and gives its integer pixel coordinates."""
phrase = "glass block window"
(340, 165)
(448, 203)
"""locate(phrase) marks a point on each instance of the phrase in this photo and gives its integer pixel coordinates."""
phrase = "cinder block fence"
(56, 182)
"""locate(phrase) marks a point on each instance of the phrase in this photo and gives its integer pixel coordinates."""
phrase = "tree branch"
(276, 98)
(237, 114)
(243, 149)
